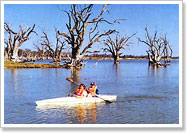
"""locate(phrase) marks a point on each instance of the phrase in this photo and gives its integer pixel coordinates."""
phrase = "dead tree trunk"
(79, 21)
(16, 39)
(116, 57)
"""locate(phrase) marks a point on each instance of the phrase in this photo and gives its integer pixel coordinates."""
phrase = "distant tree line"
(31, 55)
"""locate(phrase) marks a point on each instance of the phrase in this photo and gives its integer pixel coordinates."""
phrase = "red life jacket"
(79, 92)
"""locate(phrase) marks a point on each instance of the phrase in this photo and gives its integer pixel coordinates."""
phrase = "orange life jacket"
(79, 92)
(91, 91)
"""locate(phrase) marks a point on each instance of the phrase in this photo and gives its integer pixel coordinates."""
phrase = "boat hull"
(69, 101)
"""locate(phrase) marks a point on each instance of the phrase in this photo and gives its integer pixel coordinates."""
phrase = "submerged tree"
(114, 46)
(55, 53)
(157, 47)
(79, 21)
(16, 39)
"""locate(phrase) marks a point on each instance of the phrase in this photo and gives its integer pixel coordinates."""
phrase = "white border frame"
(94, 125)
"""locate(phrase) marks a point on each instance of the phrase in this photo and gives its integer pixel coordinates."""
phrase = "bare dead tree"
(114, 46)
(157, 46)
(79, 21)
(16, 39)
(167, 50)
(55, 53)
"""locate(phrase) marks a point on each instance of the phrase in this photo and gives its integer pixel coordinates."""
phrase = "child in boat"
(92, 89)
(81, 91)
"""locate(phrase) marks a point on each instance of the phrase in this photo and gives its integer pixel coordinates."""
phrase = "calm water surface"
(146, 95)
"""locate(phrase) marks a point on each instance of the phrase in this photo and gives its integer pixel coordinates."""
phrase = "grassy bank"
(11, 64)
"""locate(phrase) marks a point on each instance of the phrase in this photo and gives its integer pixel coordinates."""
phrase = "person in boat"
(85, 92)
(81, 91)
(92, 91)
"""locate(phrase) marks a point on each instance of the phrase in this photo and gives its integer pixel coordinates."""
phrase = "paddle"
(71, 80)
(107, 101)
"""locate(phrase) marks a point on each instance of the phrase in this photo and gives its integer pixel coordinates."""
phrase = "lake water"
(146, 95)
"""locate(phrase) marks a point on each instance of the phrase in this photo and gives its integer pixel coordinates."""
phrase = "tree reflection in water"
(84, 112)
(80, 113)
(153, 71)
(116, 70)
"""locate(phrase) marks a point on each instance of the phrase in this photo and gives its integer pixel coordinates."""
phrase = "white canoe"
(68, 101)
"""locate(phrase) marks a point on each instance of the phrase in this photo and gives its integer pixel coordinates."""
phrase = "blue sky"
(161, 17)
